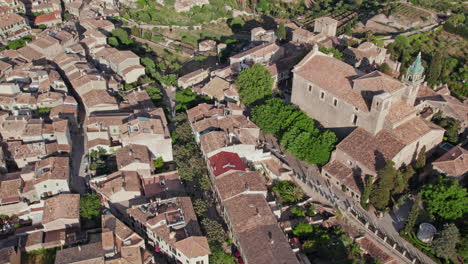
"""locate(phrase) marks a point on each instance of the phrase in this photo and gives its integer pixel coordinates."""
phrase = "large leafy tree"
(214, 231)
(295, 130)
(288, 192)
(435, 69)
(254, 84)
(90, 206)
(445, 243)
(445, 198)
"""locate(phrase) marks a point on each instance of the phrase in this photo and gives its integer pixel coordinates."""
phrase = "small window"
(335, 102)
(355, 119)
(45, 186)
(310, 88)
(322, 95)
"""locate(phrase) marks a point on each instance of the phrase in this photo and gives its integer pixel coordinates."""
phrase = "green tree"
(288, 192)
(121, 35)
(43, 110)
(205, 183)
(281, 32)
(385, 68)
(158, 163)
(445, 198)
(113, 41)
(366, 193)
(421, 159)
(254, 84)
(380, 195)
(298, 212)
(412, 216)
(435, 69)
(445, 243)
(402, 179)
(311, 210)
(16, 44)
(200, 207)
(90, 206)
(309, 246)
(187, 99)
(214, 231)
(335, 52)
(218, 256)
(155, 94)
(302, 230)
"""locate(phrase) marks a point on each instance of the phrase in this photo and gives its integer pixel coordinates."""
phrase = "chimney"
(258, 212)
(79, 248)
(315, 48)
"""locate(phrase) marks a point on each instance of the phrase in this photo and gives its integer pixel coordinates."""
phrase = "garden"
(102, 162)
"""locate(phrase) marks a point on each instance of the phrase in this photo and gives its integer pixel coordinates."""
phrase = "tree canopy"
(445, 243)
(90, 206)
(295, 130)
(445, 198)
(254, 84)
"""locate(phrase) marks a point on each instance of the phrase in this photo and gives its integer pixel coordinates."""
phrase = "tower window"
(322, 95)
(310, 88)
(355, 118)
(335, 102)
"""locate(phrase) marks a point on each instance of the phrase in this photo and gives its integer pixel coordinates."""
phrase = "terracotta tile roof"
(163, 184)
(332, 75)
(127, 181)
(10, 19)
(26, 98)
(97, 97)
(371, 151)
(187, 77)
(454, 162)
(194, 246)
(97, 142)
(62, 206)
(248, 212)
(344, 174)
(224, 162)
(213, 140)
(216, 87)
(258, 51)
(236, 182)
(399, 111)
(122, 231)
(266, 244)
(30, 54)
(377, 81)
(44, 18)
(10, 188)
(375, 251)
(203, 110)
(88, 253)
(63, 109)
(133, 153)
(413, 129)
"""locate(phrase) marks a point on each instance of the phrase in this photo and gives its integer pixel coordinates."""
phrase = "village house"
(267, 53)
(50, 177)
(49, 19)
(193, 78)
(366, 54)
(13, 26)
(100, 24)
(103, 127)
(61, 212)
(454, 164)
(123, 62)
(219, 89)
(186, 5)
(326, 25)
(22, 154)
(206, 45)
(14, 6)
(47, 46)
(259, 34)
(87, 253)
(121, 244)
(11, 255)
(99, 100)
(163, 185)
(118, 188)
(171, 227)
(150, 130)
(135, 158)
